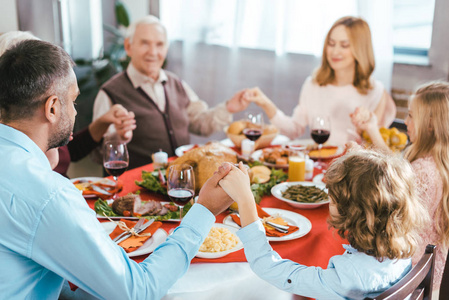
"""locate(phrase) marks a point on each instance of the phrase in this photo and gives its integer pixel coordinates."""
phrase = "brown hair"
(378, 209)
(362, 49)
(431, 120)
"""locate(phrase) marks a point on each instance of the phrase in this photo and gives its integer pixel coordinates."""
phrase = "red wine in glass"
(320, 136)
(252, 133)
(115, 160)
(181, 185)
(116, 168)
(180, 196)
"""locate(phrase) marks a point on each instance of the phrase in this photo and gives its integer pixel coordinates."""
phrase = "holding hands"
(237, 103)
(237, 185)
(123, 120)
(256, 96)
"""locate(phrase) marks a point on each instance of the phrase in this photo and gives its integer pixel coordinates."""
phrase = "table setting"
(297, 230)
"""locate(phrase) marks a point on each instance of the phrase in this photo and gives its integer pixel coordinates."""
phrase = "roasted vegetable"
(307, 194)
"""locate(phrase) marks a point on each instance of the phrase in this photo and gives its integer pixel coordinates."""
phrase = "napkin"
(111, 189)
(134, 242)
(268, 232)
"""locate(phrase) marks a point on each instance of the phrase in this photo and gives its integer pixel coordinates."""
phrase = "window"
(412, 27)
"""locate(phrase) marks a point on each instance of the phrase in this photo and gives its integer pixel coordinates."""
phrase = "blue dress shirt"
(353, 275)
(48, 233)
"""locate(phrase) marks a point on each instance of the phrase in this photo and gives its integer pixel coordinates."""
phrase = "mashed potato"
(218, 240)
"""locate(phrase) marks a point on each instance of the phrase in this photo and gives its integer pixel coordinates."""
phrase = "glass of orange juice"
(296, 165)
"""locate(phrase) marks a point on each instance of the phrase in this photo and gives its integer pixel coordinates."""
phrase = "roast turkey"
(205, 160)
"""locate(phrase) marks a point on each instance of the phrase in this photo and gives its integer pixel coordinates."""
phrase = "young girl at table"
(342, 83)
(372, 204)
(428, 129)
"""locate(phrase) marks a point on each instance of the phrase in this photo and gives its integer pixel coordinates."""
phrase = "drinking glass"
(181, 185)
(115, 160)
(254, 127)
(320, 130)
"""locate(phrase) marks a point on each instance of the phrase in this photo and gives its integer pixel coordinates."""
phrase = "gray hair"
(11, 38)
(149, 20)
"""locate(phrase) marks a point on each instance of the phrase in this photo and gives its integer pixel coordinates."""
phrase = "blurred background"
(221, 46)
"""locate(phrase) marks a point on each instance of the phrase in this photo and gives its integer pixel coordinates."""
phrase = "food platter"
(213, 255)
(327, 152)
(158, 238)
(291, 217)
(131, 218)
(256, 155)
(278, 189)
(92, 180)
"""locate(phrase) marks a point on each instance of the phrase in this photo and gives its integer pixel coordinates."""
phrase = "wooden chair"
(444, 288)
(417, 283)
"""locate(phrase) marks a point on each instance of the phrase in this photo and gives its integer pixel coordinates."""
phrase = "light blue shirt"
(353, 275)
(48, 233)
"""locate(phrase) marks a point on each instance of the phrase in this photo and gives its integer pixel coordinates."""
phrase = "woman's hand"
(256, 96)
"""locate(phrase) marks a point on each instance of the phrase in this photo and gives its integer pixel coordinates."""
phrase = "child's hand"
(237, 185)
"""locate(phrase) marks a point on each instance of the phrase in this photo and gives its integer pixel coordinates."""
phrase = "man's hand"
(237, 103)
(212, 196)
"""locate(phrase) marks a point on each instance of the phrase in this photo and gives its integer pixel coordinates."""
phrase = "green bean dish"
(306, 194)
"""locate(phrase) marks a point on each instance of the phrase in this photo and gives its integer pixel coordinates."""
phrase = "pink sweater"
(430, 187)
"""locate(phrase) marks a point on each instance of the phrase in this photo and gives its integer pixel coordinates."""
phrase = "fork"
(136, 227)
(280, 228)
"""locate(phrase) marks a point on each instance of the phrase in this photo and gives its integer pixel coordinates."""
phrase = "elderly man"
(166, 108)
(48, 233)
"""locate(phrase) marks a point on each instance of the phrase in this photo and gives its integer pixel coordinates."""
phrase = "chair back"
(444, 288)
(417, 283)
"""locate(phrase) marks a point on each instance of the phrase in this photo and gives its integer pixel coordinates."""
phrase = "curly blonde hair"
(431, 120)
(362, 49)
(378, 209)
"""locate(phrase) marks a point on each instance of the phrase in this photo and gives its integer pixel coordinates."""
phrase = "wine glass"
(115, 160)
(320, 132)
(254, 127)
(181, 185)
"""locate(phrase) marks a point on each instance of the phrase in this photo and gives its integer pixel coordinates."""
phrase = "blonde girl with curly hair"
(373, 205)
(428, 130)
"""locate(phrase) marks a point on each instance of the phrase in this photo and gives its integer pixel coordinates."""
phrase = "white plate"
(277, 190)
(258, 153)
(278, 140)
(291, 217)
(182, 149)
(131, 218)
(318, 179)
(158, 238)
(93, 179)
(213, 255)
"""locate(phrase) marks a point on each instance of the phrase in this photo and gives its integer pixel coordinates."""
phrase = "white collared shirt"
(203, 121)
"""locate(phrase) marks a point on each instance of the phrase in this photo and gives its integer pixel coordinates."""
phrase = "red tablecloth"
(314, 249)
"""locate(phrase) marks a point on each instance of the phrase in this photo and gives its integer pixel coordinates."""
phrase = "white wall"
(9, 20)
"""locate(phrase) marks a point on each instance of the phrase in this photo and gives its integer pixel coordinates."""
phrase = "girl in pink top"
(340, 85)
(428, 130)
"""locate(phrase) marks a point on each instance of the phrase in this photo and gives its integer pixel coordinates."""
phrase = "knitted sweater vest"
(155, 129)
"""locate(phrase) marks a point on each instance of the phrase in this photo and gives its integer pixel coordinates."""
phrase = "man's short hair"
(30, 72)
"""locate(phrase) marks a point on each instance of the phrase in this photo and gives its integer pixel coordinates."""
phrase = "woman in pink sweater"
(342, 83)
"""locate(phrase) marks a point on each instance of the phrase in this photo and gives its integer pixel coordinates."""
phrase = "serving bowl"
(278, 189)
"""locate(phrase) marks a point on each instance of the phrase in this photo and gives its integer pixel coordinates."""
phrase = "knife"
(145, 226)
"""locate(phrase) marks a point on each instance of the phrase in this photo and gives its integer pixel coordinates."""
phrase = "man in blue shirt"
(48, 233)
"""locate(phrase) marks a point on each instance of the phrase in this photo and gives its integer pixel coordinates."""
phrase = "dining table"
(230, 277)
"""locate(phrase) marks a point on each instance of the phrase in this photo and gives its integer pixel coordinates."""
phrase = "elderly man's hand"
(237, 103)
(212, 196)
